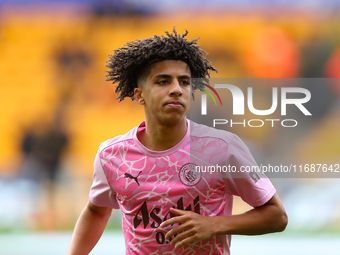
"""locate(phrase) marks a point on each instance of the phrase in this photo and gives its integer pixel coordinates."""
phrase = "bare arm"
(89, 228)
(268, 218)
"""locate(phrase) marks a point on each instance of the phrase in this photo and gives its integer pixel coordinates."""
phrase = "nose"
(175, 89)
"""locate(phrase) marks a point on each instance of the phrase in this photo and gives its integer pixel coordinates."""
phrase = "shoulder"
(203, 131)
(117, 140)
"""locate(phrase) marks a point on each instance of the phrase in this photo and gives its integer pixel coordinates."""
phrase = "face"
(165, 93)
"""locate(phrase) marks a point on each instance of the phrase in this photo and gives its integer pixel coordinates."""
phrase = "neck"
(162, 137)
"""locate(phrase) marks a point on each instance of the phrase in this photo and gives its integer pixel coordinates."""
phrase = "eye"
(185, 82)
(162, 82)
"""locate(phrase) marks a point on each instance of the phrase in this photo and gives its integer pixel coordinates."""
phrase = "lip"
(174, 104)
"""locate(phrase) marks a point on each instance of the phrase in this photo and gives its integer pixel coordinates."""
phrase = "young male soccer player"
(150, 172)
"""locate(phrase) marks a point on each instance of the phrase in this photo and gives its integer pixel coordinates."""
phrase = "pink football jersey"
(145, 184)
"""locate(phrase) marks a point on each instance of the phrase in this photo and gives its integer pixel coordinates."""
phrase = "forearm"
(193, 227)
(268, 218)
(254, 222)
(88, 230)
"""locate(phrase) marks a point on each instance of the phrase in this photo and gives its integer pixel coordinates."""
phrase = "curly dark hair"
(132, 63)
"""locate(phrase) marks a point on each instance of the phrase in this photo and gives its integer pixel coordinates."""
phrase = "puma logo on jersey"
(127, 175)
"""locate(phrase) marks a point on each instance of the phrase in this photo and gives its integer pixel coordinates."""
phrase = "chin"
(173, 120)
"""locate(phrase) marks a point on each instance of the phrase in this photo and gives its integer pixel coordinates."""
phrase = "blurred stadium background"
(56, 107)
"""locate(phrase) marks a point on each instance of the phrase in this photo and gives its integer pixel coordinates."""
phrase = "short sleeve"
(101, 194)
(255, 189)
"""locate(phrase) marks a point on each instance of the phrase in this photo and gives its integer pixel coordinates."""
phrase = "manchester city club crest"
(188, 174)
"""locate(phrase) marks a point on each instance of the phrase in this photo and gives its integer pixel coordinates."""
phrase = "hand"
(194, 227)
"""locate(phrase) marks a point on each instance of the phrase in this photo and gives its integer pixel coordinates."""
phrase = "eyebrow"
(185, 76)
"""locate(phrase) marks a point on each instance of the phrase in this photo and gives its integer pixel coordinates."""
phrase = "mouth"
(174, 104)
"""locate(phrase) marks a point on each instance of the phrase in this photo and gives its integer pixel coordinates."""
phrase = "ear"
(138, 94)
